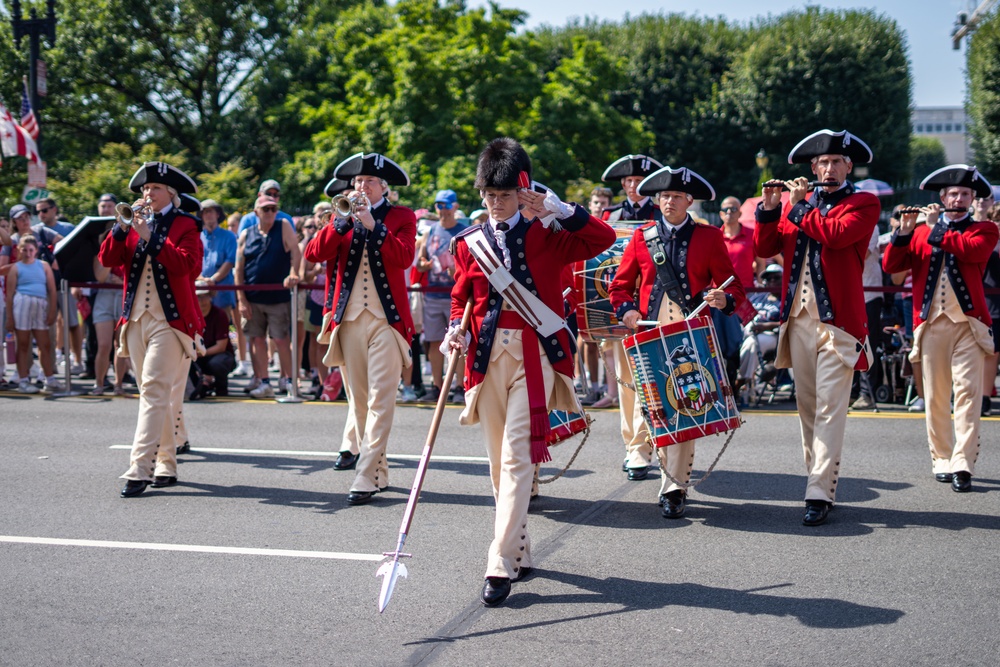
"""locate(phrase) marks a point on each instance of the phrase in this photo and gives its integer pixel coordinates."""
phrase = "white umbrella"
(877, 188)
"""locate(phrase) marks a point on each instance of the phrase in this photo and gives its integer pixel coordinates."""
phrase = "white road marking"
(293, 452)
(150, 546)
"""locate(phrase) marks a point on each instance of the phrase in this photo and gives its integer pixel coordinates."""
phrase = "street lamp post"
(34, 28)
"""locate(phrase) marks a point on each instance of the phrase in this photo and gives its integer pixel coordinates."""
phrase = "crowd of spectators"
(249, 331)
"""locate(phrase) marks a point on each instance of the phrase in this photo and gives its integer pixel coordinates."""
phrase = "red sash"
(537, 404)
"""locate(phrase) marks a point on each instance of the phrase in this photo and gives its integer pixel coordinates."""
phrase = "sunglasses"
(439, 204)
(44, 210)
(269, 209)
(273, 193)
(729, 209)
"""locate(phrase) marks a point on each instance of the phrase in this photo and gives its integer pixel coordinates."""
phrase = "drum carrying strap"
(665, 273)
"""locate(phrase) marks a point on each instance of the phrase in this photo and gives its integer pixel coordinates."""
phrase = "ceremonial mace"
(390, 570)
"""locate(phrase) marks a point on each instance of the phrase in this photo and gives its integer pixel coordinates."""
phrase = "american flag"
(28, 121)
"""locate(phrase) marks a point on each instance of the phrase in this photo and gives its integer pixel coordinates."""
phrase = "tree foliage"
(927, 154)
(241, 90)
(983, 107)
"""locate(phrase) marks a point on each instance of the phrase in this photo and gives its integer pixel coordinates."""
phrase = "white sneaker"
(52, 384)
(77, 369)
(26, 387)
(283, 385)
(243, 369)
(407, 395)
(264, 390)
(917, 405)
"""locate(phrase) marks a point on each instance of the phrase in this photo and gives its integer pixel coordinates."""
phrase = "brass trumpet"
(126, 213)
(345, 206)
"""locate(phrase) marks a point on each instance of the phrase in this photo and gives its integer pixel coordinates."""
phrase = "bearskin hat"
(500, 164)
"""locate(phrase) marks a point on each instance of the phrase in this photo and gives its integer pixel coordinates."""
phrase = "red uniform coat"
(391, 242)
(707, 265)
(545, 254)
(178, 251)
(971, 247)
(844, 233)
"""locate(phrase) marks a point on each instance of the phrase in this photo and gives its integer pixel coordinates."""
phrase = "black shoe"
(816, 512)
(346, 461)
(987, 406)
(625, 465)
(360, 497)
(87, 375)
(943, 477)
(673, 504)
(134, 487)
(184, 449)
(495, 591)
(638, 474)
(961, 482)
(160, 481)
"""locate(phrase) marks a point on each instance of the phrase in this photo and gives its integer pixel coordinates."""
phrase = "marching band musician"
(690, 258)
(952, 334)
(516, 372)
(368, 315)
(824, 326)
(161, 321)
(631, 170)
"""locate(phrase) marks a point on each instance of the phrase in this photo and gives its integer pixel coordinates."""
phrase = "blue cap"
(446, 197)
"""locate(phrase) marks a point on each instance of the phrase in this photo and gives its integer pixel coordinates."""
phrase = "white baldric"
(541, 318)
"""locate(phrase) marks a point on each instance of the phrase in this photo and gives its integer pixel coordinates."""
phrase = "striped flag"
(28, 121)
(14, 139)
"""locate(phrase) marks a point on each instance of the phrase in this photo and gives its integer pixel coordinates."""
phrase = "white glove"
(453, 337)
(557, 208)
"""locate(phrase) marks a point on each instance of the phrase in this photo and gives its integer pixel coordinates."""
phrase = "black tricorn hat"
(677, 180)
(961, 175)
(189, 204)
(371, 164)
(630, 165)
(161, 172)
(828, 142)
(336, 186)
(500, 164)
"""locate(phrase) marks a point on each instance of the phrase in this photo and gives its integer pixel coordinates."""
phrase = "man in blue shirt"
(435, 259)
(269, 188)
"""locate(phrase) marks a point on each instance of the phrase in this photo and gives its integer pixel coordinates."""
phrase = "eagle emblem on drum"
(691, 389)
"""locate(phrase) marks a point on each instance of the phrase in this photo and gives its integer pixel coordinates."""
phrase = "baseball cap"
(18, 209)
(200, 288)
(107, 196)
(446, 197)
(269, 184)
(264, 200)
(772, 269)
(478, 212)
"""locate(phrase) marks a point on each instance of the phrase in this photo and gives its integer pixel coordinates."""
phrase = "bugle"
(126, 213)
(345, 206)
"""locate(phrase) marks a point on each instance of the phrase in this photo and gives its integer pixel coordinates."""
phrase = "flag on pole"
(28, 120)
(14, 139)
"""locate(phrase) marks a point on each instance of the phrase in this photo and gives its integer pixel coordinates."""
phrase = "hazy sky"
(938, 72)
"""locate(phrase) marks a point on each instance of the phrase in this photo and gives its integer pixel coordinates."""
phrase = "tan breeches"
(638, 452)
(952, 362)
(822, 392)
(161, 369)
(507, 433)
(374, 366)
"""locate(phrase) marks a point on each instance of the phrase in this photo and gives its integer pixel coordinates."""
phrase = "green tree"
(927, 154)
(983, 106)
(813, 69)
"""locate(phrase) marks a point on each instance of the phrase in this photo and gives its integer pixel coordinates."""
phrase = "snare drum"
(592, 281)
(563, 425)
(681, 383)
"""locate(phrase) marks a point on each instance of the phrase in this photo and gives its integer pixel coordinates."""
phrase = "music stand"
(75, 255)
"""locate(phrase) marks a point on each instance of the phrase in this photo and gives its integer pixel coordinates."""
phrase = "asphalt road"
(905, 572)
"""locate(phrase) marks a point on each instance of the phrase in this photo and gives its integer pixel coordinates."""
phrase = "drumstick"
(654, 323)
(705, 303)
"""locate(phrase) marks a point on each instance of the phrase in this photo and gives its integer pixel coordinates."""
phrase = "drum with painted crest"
(681, 382)
(563, 425)
(592, 281)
